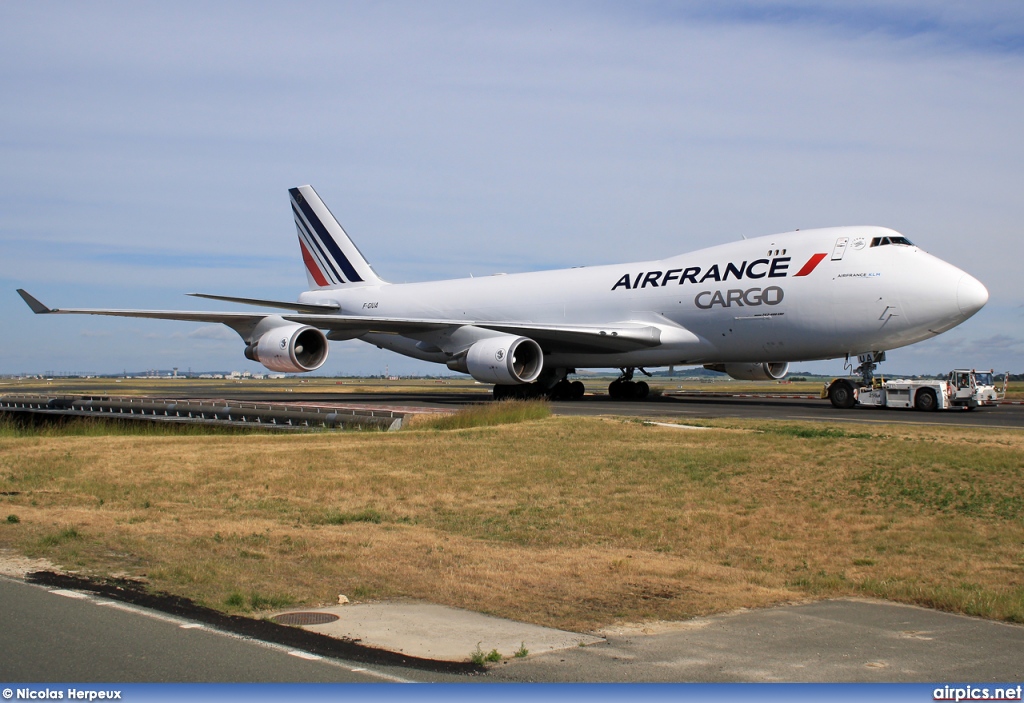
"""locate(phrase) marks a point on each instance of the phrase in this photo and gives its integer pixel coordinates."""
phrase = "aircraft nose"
(971, 295)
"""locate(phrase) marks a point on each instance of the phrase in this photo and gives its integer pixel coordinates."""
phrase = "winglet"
(37, 307)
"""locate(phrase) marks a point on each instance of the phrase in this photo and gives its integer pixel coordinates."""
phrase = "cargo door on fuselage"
(840, 248)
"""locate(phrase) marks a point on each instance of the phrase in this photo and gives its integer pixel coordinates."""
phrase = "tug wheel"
(925, 400)
(840, 394)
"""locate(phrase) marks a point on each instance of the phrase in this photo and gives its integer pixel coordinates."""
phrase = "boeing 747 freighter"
(748, 308)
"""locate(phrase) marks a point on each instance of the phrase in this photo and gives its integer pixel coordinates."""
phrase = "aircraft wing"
(618, 337)
(611, 338)
(284, 305)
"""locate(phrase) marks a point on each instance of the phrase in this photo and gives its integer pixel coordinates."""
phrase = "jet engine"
(290, 349)
(505, 360)
(771, 371)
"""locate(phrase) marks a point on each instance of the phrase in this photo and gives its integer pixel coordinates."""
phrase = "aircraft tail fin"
(332, 260)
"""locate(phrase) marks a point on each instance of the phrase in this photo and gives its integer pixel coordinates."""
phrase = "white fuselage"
(797, 296)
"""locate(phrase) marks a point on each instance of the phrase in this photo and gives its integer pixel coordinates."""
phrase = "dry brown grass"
(571, 522)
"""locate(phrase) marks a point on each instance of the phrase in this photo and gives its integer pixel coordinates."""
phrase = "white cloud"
(439, 134)
(218, 332)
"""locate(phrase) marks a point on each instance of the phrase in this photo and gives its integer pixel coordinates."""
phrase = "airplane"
(748, 308)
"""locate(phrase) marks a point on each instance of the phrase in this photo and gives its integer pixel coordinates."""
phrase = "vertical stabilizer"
(331, 259)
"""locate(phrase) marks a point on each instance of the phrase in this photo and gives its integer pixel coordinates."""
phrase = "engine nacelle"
(771, 371)
(290, 349)
(505, 360)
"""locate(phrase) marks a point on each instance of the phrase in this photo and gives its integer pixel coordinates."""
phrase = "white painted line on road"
(137, 610)
(69, 594)
(304, 655)
(116, 606)
(679, 427)
(192, 626)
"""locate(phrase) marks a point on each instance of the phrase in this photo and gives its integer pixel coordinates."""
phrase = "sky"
(146, 150)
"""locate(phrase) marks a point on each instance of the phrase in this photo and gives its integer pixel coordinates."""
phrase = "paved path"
(834, 640)
(51, 635)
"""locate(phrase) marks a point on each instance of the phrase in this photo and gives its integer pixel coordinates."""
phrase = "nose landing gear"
(625, 388)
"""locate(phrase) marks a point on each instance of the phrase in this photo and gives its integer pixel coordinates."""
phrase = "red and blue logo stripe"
(324, 259)
(811, 264)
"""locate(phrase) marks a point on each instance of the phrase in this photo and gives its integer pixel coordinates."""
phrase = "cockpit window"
(883, 241)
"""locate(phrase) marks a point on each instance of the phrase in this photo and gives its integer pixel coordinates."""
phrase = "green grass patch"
(813, 431)
(944, 484)
(68, 534)
(1006, 603)
(502, 412)
(480, 657)
(237, 600)
(15, 426)
(365, 515)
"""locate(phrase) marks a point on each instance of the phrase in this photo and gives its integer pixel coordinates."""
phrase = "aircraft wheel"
(561, 391)
(576, 390)
(502, 392)
(615, 389)
(925, 400)
(641, 390)
(841, 395)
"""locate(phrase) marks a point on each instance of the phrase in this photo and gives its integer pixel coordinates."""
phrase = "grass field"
(570, 522)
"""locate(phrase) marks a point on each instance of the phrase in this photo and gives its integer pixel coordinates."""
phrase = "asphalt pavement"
(691, 406)
(49, 635)
(843, 640)
(55, 635)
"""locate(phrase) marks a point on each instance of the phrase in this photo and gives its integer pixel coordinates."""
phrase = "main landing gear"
(625, 388)
(553, 385)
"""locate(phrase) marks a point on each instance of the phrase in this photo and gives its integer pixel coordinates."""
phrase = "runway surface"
(691, 406)
(708, 406)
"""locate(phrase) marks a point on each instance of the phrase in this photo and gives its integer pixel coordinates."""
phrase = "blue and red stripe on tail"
(332, 260)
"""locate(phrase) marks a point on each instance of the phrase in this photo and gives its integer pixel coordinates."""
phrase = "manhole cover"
(304, 618)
